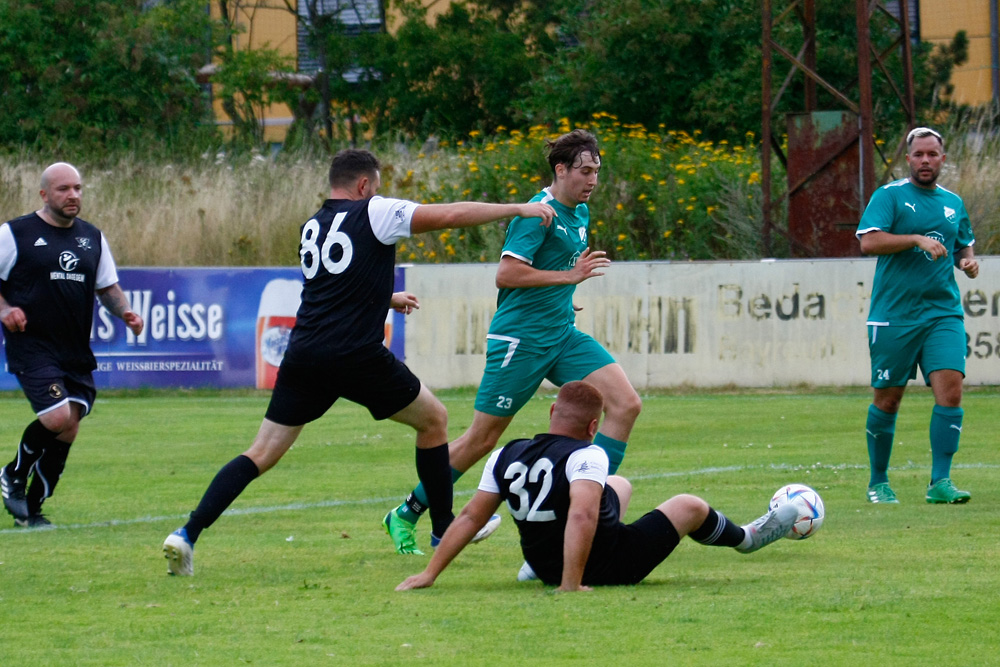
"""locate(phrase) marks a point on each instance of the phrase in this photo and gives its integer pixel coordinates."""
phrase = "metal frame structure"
(804, 61)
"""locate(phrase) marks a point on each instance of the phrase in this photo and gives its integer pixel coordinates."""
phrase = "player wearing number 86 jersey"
(347, 252)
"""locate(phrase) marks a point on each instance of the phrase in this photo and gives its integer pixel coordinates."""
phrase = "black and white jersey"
(51, 273)
(347, 252)
(533, 477)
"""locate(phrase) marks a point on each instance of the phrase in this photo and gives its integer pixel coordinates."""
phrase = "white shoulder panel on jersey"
(107, 272)
(488, 482)
(390, 218)
(8, 251)
(589, 463)
(508, 253)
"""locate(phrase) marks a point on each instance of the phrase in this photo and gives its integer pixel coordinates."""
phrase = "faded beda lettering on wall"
(763, 306)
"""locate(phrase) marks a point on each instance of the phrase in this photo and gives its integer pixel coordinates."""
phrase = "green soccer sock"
(879, 429)
(416, 503)
(946, 429)
(615, 450)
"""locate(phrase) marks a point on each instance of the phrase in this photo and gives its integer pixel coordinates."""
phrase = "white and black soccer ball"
(809, 504)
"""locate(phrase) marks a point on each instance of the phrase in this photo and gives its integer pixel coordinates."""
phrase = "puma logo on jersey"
(40, 242)
(912, 206)
(563, 229)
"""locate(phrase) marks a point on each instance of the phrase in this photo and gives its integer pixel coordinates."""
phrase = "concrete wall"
(706, 324)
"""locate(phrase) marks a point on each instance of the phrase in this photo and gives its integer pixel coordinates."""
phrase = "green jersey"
(909, 287)
(539, 317)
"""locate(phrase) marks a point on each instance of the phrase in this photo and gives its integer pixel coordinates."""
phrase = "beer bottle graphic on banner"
(279, 302)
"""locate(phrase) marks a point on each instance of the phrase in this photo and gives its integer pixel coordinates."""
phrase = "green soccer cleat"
(881, 493)
(402, 532)
(943, 492)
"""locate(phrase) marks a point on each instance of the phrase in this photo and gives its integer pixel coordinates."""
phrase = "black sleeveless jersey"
(348, 276)
(532, 478)
(53, 281)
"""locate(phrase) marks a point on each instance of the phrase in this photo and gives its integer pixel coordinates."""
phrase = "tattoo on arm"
(113, 299)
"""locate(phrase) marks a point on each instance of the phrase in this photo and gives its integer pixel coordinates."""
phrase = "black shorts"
(373, 377)
(636, 549)
(621, 555)
(49, 387)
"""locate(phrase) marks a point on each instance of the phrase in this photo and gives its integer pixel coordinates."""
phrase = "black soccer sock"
(48, 470)
(718, 531)
(33, 443)
(220, 494)
(434, 471)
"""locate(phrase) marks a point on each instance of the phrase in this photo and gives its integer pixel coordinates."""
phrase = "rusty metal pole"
(809, 58)
(911, 105)
(765, 139)
(866, 139)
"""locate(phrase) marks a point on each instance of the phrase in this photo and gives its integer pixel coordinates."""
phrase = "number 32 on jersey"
(527, 509)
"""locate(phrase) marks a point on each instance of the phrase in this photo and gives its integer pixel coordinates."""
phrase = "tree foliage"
(694, 64)
(99, 73)
(456, 76)
(108, 73)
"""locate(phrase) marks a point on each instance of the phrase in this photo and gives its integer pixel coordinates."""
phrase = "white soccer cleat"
(179, 553)
(484, 532)
(487, 530)
(772, 526)
(526, 573)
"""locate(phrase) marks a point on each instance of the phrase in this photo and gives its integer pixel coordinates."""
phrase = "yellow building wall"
(269, 24)
(939, 21)
(266, 24)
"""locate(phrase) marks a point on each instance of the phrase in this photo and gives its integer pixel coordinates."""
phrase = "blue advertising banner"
(211, 327)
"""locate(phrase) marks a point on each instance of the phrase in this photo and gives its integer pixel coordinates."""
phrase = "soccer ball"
(810, 506)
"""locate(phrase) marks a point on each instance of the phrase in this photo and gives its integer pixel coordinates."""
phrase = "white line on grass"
(378, 501)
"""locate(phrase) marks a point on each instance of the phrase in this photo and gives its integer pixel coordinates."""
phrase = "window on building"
(355, 15)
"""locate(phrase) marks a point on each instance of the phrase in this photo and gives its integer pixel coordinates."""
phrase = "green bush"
(662, 195)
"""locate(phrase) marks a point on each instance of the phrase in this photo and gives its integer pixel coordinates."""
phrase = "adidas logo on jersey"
(40, 242)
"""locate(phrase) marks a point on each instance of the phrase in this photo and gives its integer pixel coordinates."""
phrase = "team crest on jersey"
(68, 261)
(937, 236)
(83, 242)
(583, 234)
(949, 214)
(55, 391)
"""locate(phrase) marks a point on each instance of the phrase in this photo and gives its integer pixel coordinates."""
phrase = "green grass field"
(299, 572)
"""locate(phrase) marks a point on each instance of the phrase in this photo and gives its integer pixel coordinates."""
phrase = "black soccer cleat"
(34, 521)
(14, 498)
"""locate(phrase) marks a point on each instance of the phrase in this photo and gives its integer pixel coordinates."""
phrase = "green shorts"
(896, 351)
(513, 374)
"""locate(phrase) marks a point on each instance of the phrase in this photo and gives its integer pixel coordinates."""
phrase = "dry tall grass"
(973, 168)
(207, 214)
(224, 211)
